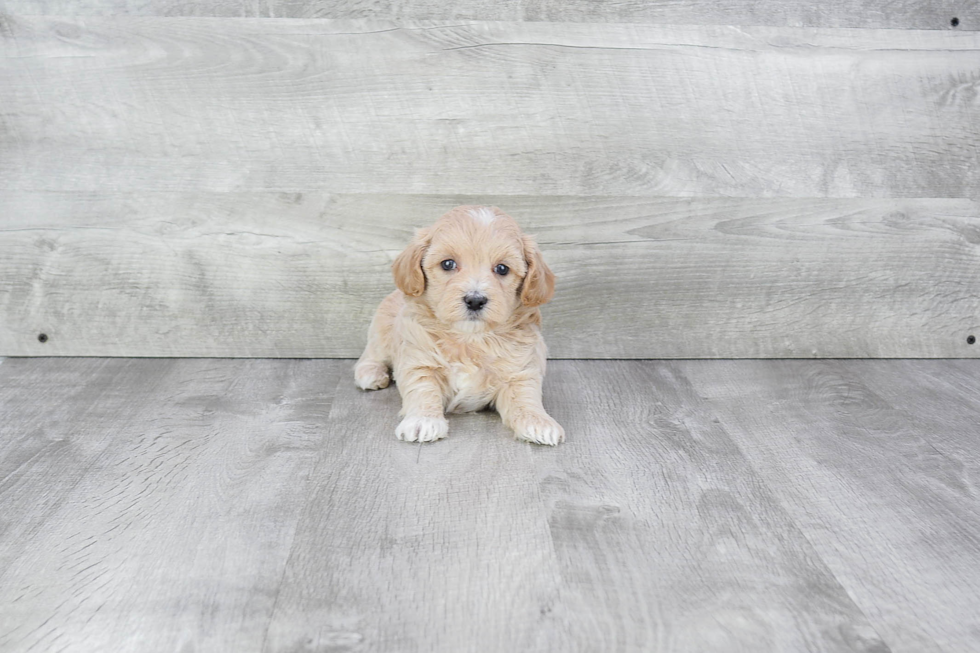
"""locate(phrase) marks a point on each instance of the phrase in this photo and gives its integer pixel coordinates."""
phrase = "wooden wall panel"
(299, 274)
(237, 187)
(486, 108)
(901, 14)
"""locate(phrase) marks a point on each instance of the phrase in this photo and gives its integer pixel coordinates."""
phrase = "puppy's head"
(474, 268)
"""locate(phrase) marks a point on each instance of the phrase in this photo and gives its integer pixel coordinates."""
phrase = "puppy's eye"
(448, 264)
(501, 269)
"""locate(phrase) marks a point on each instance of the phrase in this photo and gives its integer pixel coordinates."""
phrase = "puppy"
(462, 332)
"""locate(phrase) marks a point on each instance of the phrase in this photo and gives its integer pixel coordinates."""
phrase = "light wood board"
(417, 548)
(151, 505)
(371, 106)
(903, 14)
(169, 186)
(299, 275)
(877, 463)
(632, 536)
(667, 538)
(716, 506)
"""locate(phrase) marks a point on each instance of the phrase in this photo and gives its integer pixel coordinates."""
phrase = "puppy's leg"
(519, 405)
(422, 406)
(371, 370)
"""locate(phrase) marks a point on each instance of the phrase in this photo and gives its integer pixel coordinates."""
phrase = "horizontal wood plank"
(300, 274)
(367, 106)
(902, 14)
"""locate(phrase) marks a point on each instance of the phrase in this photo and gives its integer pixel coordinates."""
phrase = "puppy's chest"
(473, 381)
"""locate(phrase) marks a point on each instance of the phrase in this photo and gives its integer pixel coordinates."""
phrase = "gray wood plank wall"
(211, 186)
(898, 14)
(292, 274)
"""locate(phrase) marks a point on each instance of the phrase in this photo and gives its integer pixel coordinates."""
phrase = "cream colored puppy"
(462, 332)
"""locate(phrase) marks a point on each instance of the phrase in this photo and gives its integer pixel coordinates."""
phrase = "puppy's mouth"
(474, 324)
(474, 320)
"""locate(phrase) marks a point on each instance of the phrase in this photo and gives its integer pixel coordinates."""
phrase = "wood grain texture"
(876, 462)
(299, 275)
(405, 547)
(940, 401)
(57, 419)
(904, 14)
(365, 106)
(647, 530)
(716, 506)
(171, 513)
(666, 538)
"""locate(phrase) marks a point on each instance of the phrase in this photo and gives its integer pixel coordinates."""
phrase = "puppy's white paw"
(422, 429)
(371, 375)
(540, 429)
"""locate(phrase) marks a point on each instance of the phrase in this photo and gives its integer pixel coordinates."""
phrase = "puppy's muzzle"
(475, 301)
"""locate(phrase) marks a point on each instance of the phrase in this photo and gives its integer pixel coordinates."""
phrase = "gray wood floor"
(247, 505)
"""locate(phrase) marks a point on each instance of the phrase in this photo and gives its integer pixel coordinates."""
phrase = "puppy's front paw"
(540, 429)
(422, 429)
(371, 375)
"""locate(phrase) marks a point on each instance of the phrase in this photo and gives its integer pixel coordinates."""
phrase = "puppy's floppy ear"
(407, 268)
(539, 282)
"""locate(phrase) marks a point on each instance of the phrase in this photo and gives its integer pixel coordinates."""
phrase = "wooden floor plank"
(57, 418)
(270, 274)
(876, 463)
(940, 399)
(438, 547)
(717, 506)
(176, 534)
(959, 378)
(666, 537)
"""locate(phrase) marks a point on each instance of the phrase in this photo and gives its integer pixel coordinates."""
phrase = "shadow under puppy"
(462, 332)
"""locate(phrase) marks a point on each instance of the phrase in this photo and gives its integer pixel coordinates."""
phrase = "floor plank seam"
(778, 500)
(342, 377)
(55, 506)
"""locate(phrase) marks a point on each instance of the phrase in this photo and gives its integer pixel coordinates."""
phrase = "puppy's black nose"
(475, 301)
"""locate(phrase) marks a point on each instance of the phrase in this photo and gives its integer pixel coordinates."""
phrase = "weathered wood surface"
(903, 14)
(877, 463)
(417, 548)
(183, 186)
(716, 506)
(666, 537)
(299, 275)
(58, 418)
(649, 529)
(370, 106)
(151, 504)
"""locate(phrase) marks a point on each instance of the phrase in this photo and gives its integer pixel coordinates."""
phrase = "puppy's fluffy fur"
(447, 349)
